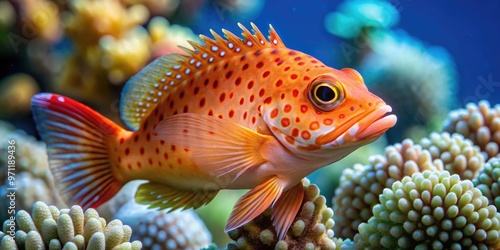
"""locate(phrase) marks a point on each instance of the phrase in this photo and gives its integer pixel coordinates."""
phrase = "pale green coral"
(488, 181)
(458, 154)
(480, 123)
(311, 228)
(431, 210)
(49, 227)
(360, 187)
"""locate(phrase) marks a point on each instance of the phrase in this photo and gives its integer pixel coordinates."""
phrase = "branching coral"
(480, 123)
(162, 230)
(488, 181)
(360, 187)
(49, 227)
(311, 228)
(431, 210)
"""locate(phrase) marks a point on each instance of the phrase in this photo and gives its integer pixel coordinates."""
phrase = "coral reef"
(488, 181)
(31, 168)
(431, 209)
(458, 154)
(360, 187)
(163, 229)
(311, 228)
(480, 123)
(16, 91)
(49, 227)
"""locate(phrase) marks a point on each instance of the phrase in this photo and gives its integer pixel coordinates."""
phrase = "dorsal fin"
(154, 82)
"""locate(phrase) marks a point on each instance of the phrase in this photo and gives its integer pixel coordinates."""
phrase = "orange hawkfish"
(232, 113)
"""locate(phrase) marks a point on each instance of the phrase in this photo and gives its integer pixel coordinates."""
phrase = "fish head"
(327, 115)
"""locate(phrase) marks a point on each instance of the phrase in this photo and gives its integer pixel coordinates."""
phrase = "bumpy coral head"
(327, 112)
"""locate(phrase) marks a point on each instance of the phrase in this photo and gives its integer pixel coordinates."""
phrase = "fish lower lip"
(377, 122)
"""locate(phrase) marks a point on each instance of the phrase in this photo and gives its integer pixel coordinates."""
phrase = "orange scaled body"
(231, 114)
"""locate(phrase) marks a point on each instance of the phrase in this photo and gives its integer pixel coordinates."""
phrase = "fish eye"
(326, 95)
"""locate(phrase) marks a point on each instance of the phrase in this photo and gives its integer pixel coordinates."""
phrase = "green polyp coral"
(480, 123)
(488, 181)
(50, 228)
(360, 187)
(311, 228)
(431, 209)
(458, 154)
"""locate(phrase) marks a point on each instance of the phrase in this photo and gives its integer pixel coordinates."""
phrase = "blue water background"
(469, 30)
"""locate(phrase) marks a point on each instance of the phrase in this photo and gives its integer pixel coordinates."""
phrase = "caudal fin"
(77, 141)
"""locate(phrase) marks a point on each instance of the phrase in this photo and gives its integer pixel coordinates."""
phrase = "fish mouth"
(368, 127)
(377, 123)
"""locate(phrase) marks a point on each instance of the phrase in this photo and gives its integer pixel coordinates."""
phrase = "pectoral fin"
(217, 146)
(161, 196)
(254, 203)
(286, 208)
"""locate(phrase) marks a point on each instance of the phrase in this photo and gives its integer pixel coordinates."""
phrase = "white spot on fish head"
(222, 53)
(178, 76)
(198, 64)
(60, 98)
(176, 66)
(215, 48)
(205, 55)
(211, 59)
(354, 129)
(230, 45)
(238, 49)
(275, 41)
(191, 61)
(188, 71)
(249, 43)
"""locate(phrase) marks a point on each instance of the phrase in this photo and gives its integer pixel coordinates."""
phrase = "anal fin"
(253, 203)
(162, 196)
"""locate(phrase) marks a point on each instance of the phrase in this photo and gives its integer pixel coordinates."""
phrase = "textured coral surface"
(480, 123)
(47, 227)
(431, 210)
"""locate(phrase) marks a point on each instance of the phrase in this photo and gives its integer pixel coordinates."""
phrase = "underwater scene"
(249, 124)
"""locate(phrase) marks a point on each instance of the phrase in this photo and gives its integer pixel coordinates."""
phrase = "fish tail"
(78, 145)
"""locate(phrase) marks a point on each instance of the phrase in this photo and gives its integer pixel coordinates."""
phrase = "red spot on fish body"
(274, 113)
(306, 135)
(285, 122)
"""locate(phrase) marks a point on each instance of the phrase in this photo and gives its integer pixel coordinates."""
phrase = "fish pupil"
(325, 93)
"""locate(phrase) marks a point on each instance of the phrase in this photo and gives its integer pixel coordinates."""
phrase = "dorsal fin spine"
(151, 86)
